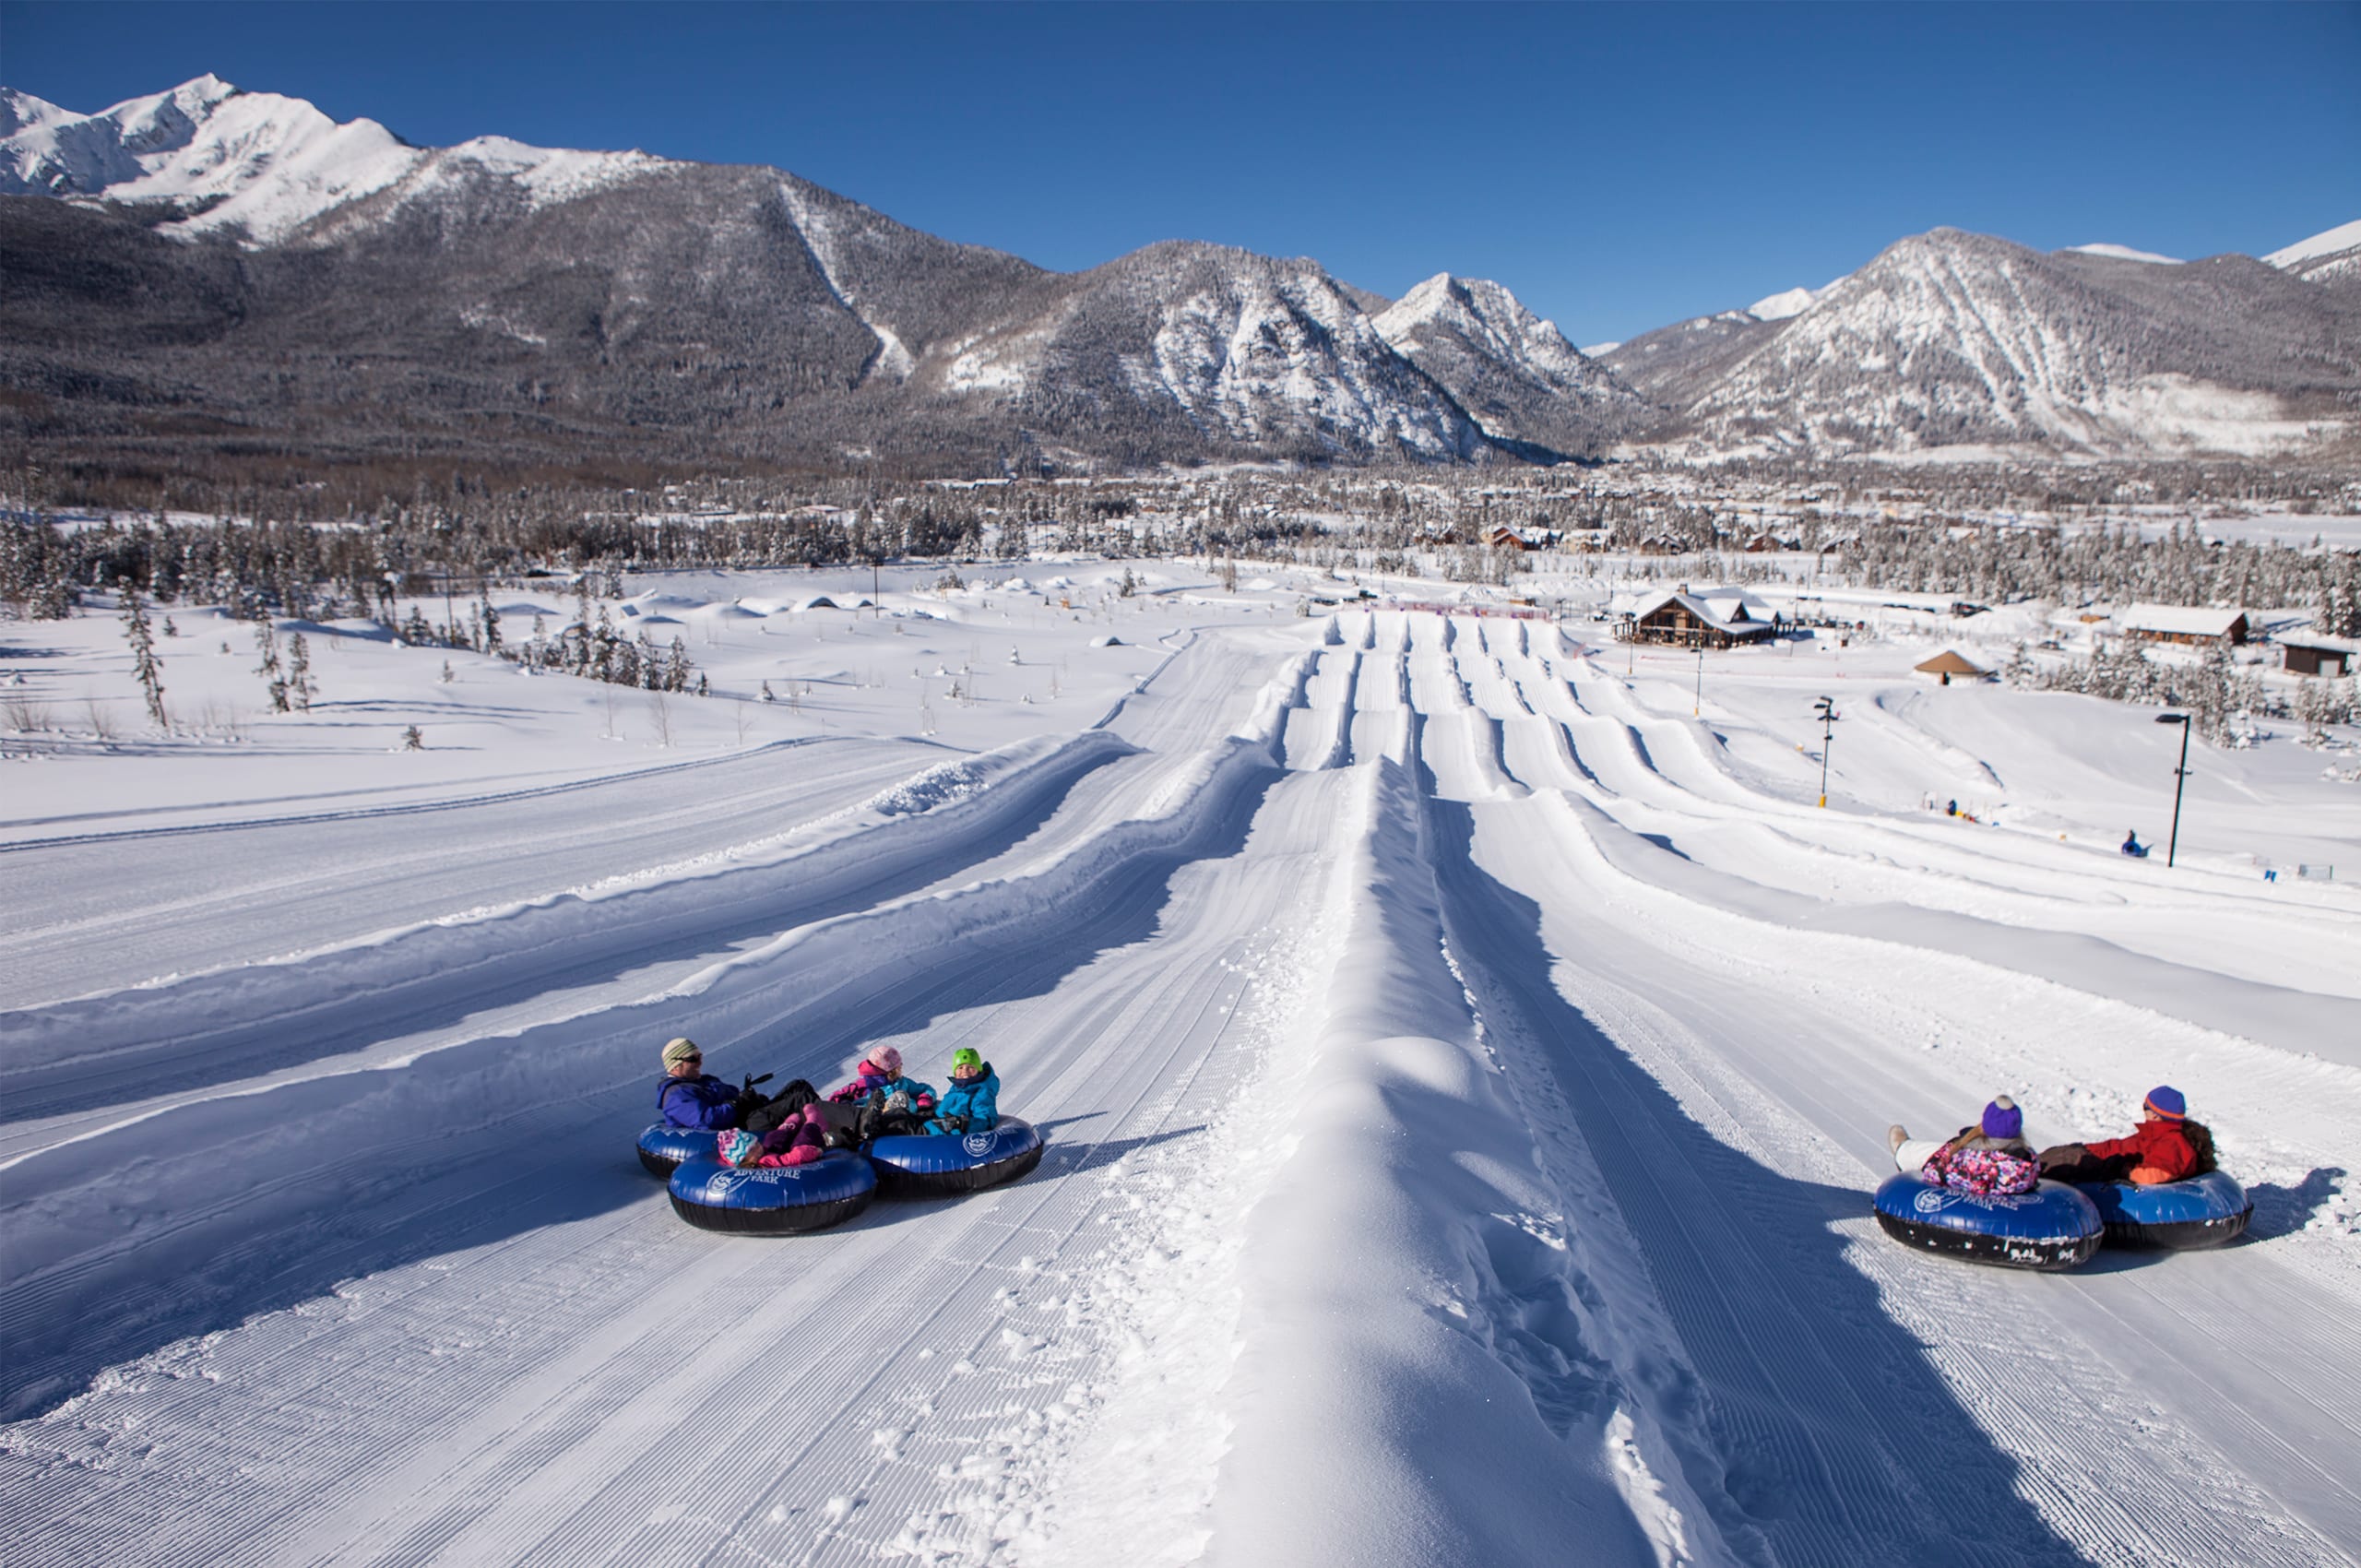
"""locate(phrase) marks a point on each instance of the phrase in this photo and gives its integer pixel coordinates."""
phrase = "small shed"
(2320, 655)
(1949, 666)
(2185, 623)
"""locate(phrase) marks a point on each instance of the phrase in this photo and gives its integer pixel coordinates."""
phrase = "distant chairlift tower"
(1825, 711)
(2180, 776)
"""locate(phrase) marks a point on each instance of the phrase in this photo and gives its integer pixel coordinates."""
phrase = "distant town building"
(2184, 623)
(1949, 666)
(2320, 655)
(1683, 620)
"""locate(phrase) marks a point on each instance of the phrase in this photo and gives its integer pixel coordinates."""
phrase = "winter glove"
(952, 1123)
(2150, 1176)
(748, 1087)
(898, 1103)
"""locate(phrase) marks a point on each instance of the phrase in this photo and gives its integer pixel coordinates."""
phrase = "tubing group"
(767, 1200)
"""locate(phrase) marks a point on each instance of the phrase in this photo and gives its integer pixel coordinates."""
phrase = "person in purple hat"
(1989, 1157)
(2165, 1147)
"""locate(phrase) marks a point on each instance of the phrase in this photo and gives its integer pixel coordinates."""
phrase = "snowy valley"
(1465, 1049)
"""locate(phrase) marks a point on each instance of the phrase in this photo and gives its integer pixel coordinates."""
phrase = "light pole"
(1825, 711)
(1698, 710)
(2172, 846)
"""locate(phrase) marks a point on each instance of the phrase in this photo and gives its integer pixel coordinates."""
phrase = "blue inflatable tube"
(937, 1165)
(664, 1146)
(2052, 1226)
(761, 1200)
(2204, 1211)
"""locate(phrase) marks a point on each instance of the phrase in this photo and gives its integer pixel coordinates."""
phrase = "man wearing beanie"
(688, 1095)
(2165, 1147)
(1989, 1157)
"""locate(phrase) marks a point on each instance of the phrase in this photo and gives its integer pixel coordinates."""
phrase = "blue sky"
(1620, 167)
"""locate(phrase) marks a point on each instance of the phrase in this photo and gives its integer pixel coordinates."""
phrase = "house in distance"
(1683, 620)
(2183, 624)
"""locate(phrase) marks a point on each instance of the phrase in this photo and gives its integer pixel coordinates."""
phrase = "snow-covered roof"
(2179, 620)
(1729, 615)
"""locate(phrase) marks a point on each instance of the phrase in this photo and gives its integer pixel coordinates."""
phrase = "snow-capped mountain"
(2332, 256)
(1950, 338)
(208, 265)
(1514, 372)
(576, 292)
(220, 157)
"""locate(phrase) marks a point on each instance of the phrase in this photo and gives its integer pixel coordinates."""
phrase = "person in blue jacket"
(691, 1096)
(972, 1102)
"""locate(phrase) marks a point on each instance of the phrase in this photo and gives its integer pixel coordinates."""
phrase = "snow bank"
(1396, 1277)
(149, 1027)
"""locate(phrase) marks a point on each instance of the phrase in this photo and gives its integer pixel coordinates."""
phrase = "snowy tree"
(299, 673)
(145, 666)
(274, 675)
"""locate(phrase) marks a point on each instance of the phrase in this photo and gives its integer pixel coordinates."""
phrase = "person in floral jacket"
(1990, 1159)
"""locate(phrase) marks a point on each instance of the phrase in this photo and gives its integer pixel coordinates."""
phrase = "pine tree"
(145, 666)
(299, 673)
(274, 676)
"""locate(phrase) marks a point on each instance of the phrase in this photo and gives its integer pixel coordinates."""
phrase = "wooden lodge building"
(2183, 624)
(1681, 620)
(2319, 656)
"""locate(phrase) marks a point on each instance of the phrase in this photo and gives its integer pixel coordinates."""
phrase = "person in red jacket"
(2165, 1147)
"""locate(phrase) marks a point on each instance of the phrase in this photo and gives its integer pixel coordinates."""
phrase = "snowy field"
(1465, 1054)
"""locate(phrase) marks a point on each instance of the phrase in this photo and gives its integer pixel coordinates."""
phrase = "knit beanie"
(884, 1058)
(680, 1050)
(2002, 1119)
(738, 1146)
(2167, 1102)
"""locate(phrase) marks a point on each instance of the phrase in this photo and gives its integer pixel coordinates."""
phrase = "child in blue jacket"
(972, 1102)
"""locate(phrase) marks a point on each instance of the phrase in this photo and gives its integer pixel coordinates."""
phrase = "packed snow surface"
(1465, 1054)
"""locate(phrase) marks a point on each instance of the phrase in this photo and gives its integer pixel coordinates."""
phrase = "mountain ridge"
(334, 285)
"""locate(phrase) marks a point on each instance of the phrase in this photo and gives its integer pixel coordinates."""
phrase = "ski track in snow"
(1464, 1082)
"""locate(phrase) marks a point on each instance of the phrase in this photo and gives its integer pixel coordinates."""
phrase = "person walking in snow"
(889, 1102)
(2165, 1147)
(972, 1102)
(2131, 845)
(1989, 1157)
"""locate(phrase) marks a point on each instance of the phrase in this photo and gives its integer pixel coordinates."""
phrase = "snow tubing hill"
(663, 1148)
(2052, 1226)
(2204, 1211)
(928, 1165)
(773, 1200)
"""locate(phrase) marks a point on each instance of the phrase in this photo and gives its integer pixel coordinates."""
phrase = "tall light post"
(1698, 710)
(2180, 774)
(1825, 711)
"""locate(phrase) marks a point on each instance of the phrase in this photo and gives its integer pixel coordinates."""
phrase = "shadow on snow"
(1829, 1435)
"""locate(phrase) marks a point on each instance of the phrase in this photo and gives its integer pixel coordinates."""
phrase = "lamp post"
(2180, 774)
(1698, 710)
(1825, 711)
